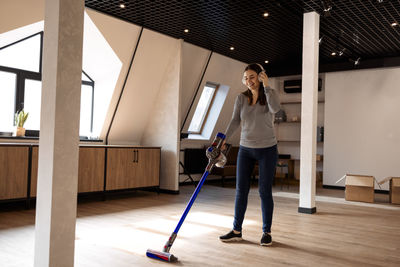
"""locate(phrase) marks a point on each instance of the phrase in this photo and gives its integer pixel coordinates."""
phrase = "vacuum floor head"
(163, 256)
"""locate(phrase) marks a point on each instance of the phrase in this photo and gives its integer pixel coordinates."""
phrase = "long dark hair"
(261, 95)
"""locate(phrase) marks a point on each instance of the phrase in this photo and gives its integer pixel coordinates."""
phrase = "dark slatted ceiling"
(354, 29)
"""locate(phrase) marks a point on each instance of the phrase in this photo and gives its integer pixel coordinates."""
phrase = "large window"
(7, 100)
(21, 86)
(202, 109)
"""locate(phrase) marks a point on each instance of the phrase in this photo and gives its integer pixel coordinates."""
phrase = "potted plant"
(19, 119)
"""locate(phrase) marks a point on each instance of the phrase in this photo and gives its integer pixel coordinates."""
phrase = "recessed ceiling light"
(122, 6)
(266, 61)
(333, 54)
(232, 48)
(266, 14)
(394, 24)
(186, 30)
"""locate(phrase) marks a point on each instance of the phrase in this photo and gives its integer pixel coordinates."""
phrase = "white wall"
(163, 127)
(362, 125)
(144, 82)
(18, 13)
(194, 61)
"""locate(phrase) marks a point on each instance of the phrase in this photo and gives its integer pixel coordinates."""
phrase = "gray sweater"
(257, 120)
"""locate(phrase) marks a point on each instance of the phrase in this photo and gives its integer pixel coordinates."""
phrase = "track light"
(357, 61)
(327, 7)
(320, 39)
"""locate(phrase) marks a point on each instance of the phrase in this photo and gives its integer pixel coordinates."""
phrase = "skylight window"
(202, 108)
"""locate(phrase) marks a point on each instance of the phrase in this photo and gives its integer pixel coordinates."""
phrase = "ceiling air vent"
(294, 86)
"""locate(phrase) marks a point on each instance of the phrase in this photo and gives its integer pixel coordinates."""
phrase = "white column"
(309, 105)
(59, 133)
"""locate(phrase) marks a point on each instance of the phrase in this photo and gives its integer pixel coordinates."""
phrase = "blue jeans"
(247, 157)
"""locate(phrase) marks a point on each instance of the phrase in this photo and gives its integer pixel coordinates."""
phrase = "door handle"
(134, 156)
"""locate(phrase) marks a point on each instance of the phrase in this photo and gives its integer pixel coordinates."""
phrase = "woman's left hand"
(264, 78)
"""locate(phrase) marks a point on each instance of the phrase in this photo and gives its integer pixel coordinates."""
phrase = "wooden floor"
(118, 232)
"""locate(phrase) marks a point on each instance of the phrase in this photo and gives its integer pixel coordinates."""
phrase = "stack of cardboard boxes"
(361, 188)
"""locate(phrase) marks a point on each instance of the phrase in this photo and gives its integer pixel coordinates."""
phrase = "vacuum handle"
(216, 145)
(213, 153)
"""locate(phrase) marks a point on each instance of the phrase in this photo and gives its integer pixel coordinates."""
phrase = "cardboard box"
(394, 189)
(359, 187)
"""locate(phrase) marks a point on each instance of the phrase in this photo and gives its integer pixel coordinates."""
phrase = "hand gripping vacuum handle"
(213, 153)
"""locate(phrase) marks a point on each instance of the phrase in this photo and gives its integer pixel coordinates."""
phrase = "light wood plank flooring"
(117, 232)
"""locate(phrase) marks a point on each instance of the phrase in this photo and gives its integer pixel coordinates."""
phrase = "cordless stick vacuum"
(215, 157)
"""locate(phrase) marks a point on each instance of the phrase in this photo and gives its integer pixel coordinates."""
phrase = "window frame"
(210, 104)
(22, 75)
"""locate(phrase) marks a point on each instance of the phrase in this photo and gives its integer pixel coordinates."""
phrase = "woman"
(254, 108)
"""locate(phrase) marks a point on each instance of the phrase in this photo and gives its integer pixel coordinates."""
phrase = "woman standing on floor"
(254, 108)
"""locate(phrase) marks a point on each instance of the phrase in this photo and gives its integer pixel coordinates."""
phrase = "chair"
(282, 165)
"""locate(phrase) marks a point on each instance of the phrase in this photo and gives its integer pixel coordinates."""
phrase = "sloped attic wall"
(121, 36)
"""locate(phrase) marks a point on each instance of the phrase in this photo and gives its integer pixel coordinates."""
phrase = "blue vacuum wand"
(215, 157)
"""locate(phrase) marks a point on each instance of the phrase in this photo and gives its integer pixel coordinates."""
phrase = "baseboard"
(214, 180)
(167, 191)
(333, 187)
(378, 191)
(307, 210)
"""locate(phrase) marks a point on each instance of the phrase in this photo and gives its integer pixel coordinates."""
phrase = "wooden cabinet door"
(13, 172)
(121, 168)
(148, 171)
(91, 169)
